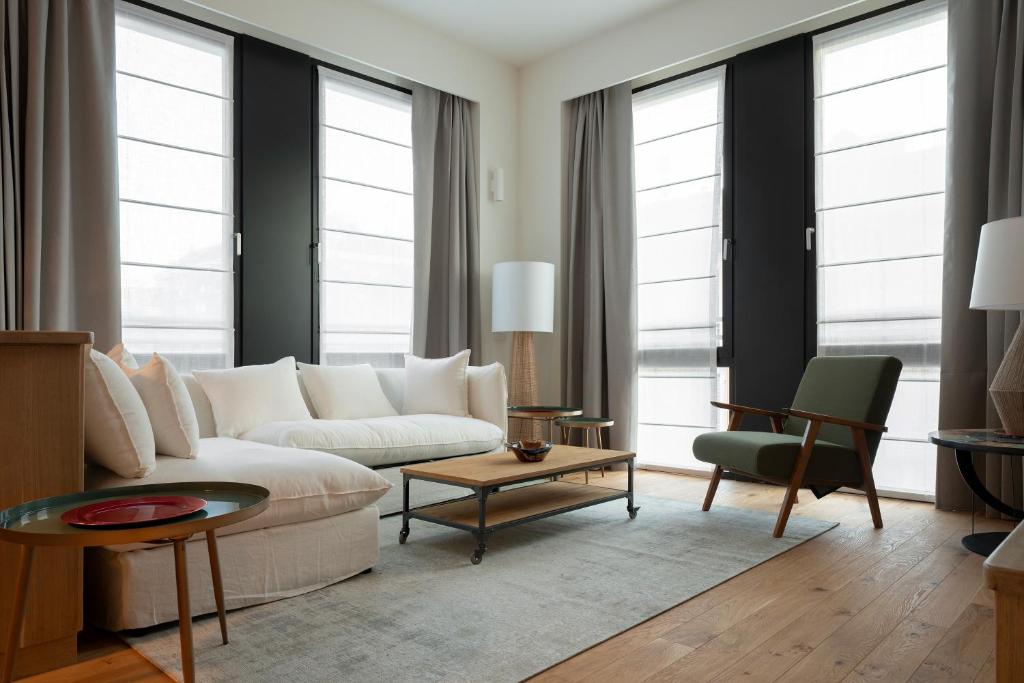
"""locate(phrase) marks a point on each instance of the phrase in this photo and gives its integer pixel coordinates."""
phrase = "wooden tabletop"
(1004, 568)
(26, 337)
(495, 469)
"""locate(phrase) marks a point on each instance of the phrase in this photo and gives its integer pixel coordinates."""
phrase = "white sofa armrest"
(488, 395)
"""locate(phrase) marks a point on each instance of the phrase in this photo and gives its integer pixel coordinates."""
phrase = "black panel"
(768, 202)
(277, 207)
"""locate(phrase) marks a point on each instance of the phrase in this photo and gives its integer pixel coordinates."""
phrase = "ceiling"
(521, 31)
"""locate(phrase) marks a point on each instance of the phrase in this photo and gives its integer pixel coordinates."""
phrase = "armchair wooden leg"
(861, 443)
(797, 477)
(716, 477)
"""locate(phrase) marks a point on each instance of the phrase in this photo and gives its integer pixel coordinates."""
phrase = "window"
(880, 112)
(678, 137)
(174, 124)
(366, 222)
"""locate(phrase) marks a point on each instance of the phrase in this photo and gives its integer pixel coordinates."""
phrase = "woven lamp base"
(522, 390)
(1007, 388)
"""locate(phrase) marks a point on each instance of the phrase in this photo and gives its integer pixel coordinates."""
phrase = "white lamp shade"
(998, 273)
(523, 297)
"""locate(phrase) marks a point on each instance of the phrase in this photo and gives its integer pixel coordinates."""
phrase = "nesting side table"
(38, 523)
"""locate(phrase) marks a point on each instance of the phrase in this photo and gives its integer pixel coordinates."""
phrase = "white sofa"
(321, 525)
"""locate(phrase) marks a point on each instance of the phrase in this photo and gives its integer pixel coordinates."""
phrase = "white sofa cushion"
(175, 426)
(118, 434)
(246, 397)
(437, 385)
(303, 485)
(350, 392)
(385, 440)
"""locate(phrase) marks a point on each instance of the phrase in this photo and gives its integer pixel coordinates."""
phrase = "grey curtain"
(599, 354)
(58, 156)
(446, 308)
(985, 172)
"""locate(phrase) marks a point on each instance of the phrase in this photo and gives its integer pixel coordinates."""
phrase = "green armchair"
(827, 439)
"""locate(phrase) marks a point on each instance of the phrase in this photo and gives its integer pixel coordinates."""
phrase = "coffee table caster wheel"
(477, 557)
(402, 536)
(632, 513)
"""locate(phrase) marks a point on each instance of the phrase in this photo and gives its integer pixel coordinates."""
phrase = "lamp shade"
(523, 297)
(998, 273)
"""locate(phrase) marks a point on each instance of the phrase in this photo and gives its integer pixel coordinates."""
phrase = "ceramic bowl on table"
(530, 451)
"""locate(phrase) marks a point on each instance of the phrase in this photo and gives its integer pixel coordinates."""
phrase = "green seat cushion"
(773, 456)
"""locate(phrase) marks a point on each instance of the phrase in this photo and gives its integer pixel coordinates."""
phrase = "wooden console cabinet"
(42, 454)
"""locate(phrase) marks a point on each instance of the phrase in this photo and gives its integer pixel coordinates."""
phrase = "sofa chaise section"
(321, 527)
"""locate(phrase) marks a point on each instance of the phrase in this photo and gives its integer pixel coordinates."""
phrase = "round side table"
(966, 442)
(585, 424)
(545, 414)
(38, 523)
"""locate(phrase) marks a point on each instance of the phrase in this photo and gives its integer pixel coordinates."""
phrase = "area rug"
(544, 592)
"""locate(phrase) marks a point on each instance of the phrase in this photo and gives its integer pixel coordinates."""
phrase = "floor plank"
(900, 603)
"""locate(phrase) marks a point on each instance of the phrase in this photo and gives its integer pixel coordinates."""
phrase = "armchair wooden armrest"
(748, 409)
(818, 417)
(737, 412)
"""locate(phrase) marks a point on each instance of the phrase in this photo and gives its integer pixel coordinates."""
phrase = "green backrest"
(852, 387)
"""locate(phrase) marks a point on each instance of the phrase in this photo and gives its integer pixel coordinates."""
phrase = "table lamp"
(523, 302)
(999, 286)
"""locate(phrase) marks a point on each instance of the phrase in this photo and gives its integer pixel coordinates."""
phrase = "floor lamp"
(523, 302)
(999, 285)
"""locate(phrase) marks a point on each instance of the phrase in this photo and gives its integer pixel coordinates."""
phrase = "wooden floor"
(904, 603)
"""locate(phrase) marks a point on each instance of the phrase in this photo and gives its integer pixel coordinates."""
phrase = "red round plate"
(129, 511)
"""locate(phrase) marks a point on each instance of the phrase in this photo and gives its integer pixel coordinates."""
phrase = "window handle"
(238, 244)
(726, 243)
(809, 239)
(317, 255)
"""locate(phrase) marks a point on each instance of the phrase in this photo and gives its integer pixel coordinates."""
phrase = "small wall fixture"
(498, 185)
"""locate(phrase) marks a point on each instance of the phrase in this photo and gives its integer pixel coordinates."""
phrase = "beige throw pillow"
(119, 354)
(436, 386)
(118, 434)
(349, 392)
(175, 425)
(247, 397)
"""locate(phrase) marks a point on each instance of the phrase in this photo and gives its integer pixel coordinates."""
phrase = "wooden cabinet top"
(24, 338)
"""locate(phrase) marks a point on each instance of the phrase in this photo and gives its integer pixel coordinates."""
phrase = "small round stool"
(585, 424)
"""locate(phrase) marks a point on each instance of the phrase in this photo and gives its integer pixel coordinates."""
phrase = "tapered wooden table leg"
(188, 669)
(218, 587)
(17, 613)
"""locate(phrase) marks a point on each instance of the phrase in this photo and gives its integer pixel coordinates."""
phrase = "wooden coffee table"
(490, 509)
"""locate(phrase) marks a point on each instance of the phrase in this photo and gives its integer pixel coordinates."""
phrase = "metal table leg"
(983, 543)
(404, 533)
(17, 613)
(481, 532)
(632, 509)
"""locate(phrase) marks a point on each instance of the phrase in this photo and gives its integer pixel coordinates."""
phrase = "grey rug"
(544, 592)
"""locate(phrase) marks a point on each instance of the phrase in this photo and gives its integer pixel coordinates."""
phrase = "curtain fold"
(599, 261)
(446, 307)
(58, 161)
(985, 172)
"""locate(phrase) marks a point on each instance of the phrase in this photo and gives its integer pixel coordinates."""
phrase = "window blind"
(366, 222)
(678, 138)
(880, 115)
(174, 124)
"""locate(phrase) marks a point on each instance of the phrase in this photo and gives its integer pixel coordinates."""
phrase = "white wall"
(352, 33)
(674, 40)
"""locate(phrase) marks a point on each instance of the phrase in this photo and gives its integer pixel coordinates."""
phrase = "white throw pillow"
(175, 425)
(119, 354)
(118, 434)
(350, 392)
(436, 386)
(247, 397)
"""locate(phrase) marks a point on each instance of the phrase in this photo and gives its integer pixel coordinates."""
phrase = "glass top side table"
(966, 442)
(38, 523)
